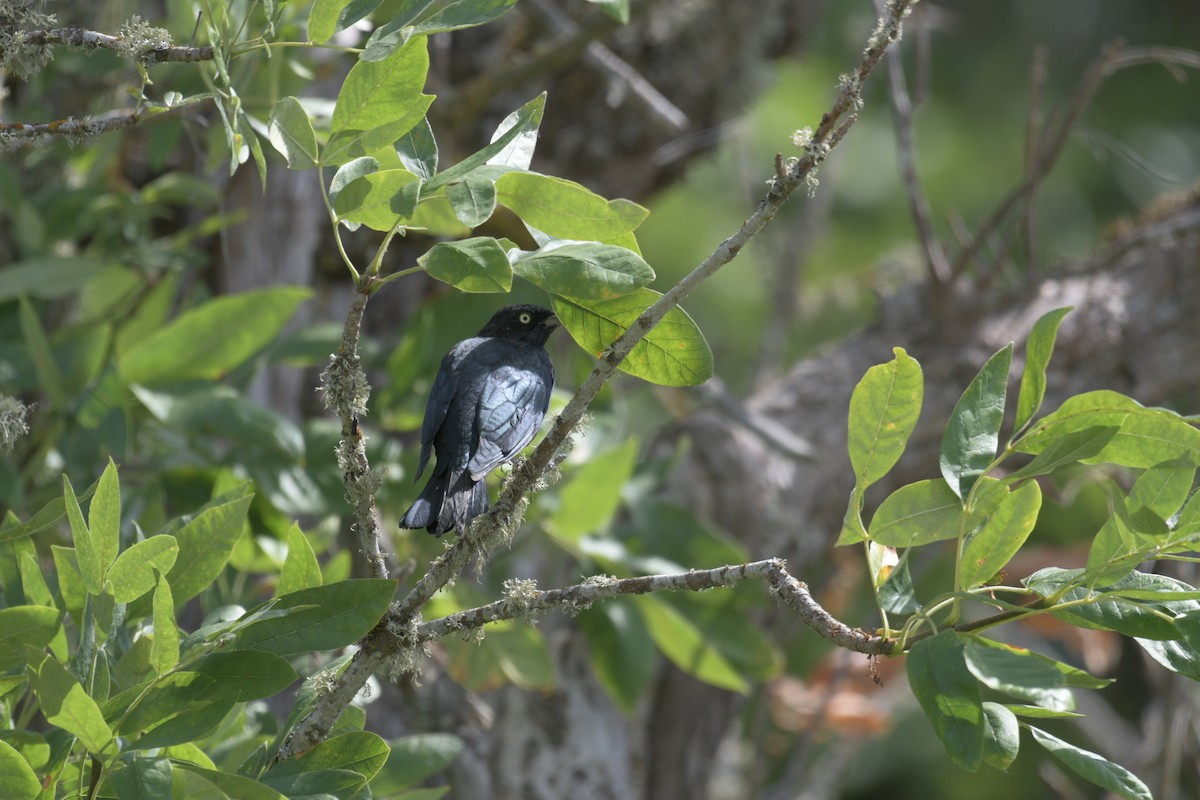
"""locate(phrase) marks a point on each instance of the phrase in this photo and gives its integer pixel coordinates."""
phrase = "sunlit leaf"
(884, 409)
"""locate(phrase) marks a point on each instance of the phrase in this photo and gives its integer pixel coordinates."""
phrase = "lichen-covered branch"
(154, 50)
(397, 632)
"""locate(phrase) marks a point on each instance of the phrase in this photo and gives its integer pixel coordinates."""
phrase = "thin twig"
(1033, 128)
(397, 631)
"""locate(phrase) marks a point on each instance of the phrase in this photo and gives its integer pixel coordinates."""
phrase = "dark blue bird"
(487, 402)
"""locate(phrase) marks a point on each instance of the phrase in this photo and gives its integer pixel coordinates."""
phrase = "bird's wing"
(512, 406)
(445, 386)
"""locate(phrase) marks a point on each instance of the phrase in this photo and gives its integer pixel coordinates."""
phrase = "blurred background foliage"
(103, 243)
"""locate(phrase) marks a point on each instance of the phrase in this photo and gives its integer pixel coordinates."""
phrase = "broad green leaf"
(414, 759)
(134, 572)
(395, 32)
(212, 339)
(70, 580)
(520, 651)
(19, 780)
(522, 122)
(987, 549)
(1117, 614)
(470, 265)
(973, 432)
(323, 18)
(1017, 672)
(949, 695)
(674, 353)
(473, 200)
(245, 674)
(1178, 656)
(379, 102)
(291, 132)
(1038, 349)
(1093, 768)
(686, 645)
(204, 546)
(66, 705)
(320, 618)
(590, 497)
(1163, 488)
(585, 271)
(1147, 436)
(351, 171)
(567, 210)
(884, 409)
(30, 625)
(1072, 447)
(917, 514)
(49, 373)
(300, 569)
(164, 649)
(1001, 736)
(725, 625)
(144, 778)
(211, 784)
(89, 559)
(104, 518)
(418, 151)
(622, 653)
(380, 200)
(463, 14)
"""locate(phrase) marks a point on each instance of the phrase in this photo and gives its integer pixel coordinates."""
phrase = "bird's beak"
(552, 322)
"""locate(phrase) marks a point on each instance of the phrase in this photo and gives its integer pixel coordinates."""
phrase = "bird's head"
(524, 323)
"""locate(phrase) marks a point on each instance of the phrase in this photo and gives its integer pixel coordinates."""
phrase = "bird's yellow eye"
(525, 318)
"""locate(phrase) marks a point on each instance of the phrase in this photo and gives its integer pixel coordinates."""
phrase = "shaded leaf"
(917, 514)
(1017, 672)
(414, 759)
(1093, 768)
(291, 132)
(686, 646)
(1000, 534)
(470, 265)
(949, 695)
(473, 200)
(1038, 349)
(380, 200)
(300, 569)
(621, 649)
(320, 618)
(585, 271)
(1001, 736)
(973, 432)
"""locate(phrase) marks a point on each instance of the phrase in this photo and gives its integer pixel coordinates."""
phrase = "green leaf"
(418, 151)
(588, 500)
(884, 409)
(47, 277)
(19, 780)
(380, 200)
(1093, 768)
(144, 778)
(522, 122)
(300, 569)
(1177, 656)
(463, 14)
(65, 704)
(1116, 614)
(973, 432)
(35, 626)
(917, 514)
(1000, 535)
(1147, 437)
(1163, 488)
(853, 531)
(1038, 349)
(104, 518)
(471, 265)
(49, 374)
(320, 618)
(396, 32)
(164, 649)
(379, 102)
(415, 759)
(349, 172)
(211, 784)
(291, 132)
(686, 646)
(323, 18)
(567, 210)
(1037, 712)
(89, 559)
(473, 200)
(134, 572)
(585, 271)
(674, 353)
(897, 595)
(1001, 736)
(1018, 672)
(1072, 447)
(204, 546)
(949, 696)
(209, 341)
(622, 652)
(245, 674)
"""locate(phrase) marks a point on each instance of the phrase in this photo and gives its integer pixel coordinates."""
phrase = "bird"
(488, 400)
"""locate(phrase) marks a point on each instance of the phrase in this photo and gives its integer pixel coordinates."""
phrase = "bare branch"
(92, 40)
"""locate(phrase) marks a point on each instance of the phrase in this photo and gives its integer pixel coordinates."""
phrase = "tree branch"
(397, 631)
(92, 40)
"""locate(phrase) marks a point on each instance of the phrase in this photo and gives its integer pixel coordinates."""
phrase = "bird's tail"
(449, 501)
